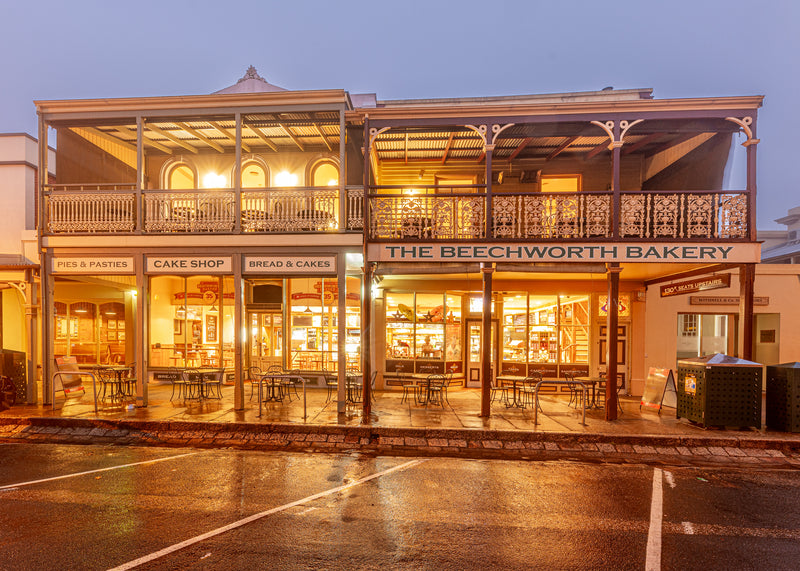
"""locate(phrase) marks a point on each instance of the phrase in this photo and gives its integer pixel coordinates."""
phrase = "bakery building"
(326, 231)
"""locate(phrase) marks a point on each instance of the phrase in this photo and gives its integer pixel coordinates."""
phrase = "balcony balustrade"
(114, 209)
(418, 214)
(533, 216)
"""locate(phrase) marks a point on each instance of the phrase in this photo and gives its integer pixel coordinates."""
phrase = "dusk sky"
(415, 49)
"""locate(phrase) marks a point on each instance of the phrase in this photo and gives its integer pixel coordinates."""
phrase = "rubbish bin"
(719, 390)
(12, 365)
(783, 397)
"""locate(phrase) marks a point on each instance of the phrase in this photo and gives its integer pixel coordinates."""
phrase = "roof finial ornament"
(251, 74)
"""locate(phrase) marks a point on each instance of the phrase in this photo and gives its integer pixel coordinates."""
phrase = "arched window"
(179, 176)
(325, 173)
(255, 174)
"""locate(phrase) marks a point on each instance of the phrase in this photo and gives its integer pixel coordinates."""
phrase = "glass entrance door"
(475, 352)
(265, 339)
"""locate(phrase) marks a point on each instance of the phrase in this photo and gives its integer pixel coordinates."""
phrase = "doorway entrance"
(265, 339)
(475, 352)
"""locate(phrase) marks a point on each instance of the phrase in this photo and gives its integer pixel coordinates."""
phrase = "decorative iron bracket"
(608, 127)
(745, 123)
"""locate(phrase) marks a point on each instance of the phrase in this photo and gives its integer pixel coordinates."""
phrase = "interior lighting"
(214, 180)
(333, 182)
(285, 178)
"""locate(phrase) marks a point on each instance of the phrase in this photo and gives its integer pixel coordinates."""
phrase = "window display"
(191, 321)
(87, 325)
(545, 330)
(314, 307)
(423, 330)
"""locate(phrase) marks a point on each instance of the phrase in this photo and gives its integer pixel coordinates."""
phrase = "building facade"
(328, 231)
(19, 261)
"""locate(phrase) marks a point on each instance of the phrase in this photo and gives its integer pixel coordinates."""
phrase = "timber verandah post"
(486, 272)
(612, 320)
(486, 339)
(747, 272)
(366, 287)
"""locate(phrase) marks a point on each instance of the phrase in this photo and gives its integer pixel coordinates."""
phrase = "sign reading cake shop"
(107, 265)
(289, 264)
(189, 265)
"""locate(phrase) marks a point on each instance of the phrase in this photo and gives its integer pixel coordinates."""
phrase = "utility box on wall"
(720, 390)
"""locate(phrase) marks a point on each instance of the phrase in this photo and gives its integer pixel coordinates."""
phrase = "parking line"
(254, 517)
(653, 559)
(75, 475)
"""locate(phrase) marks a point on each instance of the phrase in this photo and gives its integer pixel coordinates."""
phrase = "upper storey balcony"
(251, 164)
(614, 175)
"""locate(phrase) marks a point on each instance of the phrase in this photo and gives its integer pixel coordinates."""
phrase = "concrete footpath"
(406, 429)
(672, 450)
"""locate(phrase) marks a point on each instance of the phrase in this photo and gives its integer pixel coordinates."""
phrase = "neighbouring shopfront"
(93, 315)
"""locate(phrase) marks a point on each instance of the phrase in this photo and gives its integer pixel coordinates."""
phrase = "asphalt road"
(95, 507)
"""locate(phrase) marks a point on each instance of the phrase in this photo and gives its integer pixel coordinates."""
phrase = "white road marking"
(669, 478)
(688, 528)
(255, 517)
(653, 559)
(75, 475)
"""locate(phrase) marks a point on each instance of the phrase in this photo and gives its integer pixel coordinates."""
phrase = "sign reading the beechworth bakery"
(580, 252)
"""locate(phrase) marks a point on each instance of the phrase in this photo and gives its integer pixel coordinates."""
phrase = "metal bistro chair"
(129, 384)
(331, 383)
(177, 380)
(575, 390)
(437, 389)
(495, 388)
(289, 384)
(528, 389)
(193, 384)
(254, 376)
(213, 380)
(410, 388)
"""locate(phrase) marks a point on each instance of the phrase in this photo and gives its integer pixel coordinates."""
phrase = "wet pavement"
(112, 507)
(396, 427)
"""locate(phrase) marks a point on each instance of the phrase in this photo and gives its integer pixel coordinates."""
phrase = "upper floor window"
(561, 183)
(325, 173)
(254, 175)
(181, 177)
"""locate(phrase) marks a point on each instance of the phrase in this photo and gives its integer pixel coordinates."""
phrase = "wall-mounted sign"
(700, 284)
(580, 252)
(289, 264)
(724, 300)
(116, 265)
(189, 265)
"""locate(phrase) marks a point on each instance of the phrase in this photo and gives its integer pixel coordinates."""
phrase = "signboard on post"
(659, 390)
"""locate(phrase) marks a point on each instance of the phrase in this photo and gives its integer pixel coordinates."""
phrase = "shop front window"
(94, 322)
(515, 335)
(544, 331)
(542, 327)
(423, 332)
(191, 321)
(314, 313)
